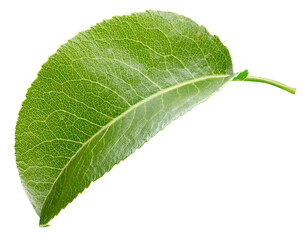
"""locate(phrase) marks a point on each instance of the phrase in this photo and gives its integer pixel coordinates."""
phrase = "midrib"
(125, 113)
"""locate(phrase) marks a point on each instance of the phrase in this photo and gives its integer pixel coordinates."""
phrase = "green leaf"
(105, 93)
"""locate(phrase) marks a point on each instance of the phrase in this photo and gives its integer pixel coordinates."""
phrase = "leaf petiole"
(269, 81)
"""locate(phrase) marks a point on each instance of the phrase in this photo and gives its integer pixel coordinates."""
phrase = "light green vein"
(132, 108)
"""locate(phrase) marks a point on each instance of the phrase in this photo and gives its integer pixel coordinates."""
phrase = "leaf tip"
(44, 225)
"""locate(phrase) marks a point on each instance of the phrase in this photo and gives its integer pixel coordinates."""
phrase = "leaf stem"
(269, 81)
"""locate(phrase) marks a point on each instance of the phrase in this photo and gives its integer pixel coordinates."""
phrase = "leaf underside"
(105, 93)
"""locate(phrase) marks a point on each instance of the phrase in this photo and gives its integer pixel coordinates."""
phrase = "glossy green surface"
(105, 93)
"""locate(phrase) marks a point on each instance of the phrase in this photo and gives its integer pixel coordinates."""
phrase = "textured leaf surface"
(107, 91)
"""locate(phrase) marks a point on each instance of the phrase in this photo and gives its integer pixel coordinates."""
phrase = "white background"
(235, 167)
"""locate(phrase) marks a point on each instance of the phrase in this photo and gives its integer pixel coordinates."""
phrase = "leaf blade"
(130, 62)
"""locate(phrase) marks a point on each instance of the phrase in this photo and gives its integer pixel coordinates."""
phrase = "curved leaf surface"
(105, 93)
